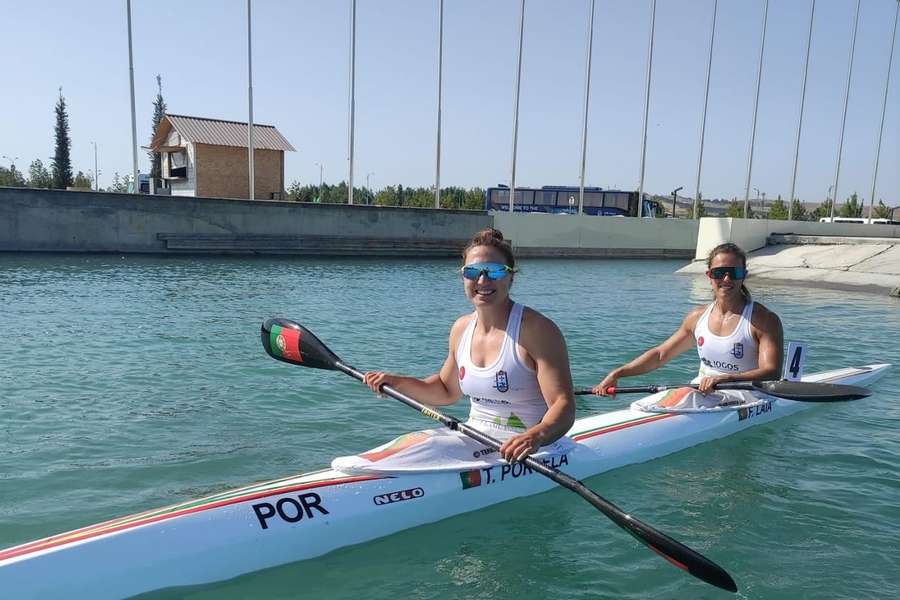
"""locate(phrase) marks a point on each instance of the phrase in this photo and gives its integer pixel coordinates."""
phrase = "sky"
(301, 85)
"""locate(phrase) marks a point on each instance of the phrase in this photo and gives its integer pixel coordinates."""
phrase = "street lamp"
(96, 172)
(321, 178)
(95, 176)
(12, 161)
(674, 196)
(368, 189)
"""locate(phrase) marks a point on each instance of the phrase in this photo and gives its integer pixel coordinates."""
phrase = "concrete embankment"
(65, 221)
(842, 256)
(57, 221)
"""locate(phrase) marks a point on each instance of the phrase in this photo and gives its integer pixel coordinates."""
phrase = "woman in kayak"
(510, 360)
(737, 339)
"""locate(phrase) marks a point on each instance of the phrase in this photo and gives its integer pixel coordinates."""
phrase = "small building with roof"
(208, 158)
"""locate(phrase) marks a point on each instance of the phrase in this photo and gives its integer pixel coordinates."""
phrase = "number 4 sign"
(794, 361)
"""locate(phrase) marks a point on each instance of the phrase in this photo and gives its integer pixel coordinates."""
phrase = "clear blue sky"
(301, 86)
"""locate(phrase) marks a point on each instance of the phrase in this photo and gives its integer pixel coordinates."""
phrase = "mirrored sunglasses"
(733, 272)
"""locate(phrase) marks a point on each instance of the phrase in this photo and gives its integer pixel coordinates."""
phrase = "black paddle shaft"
(800, 391)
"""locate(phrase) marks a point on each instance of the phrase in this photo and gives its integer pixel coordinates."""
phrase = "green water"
(128, 383)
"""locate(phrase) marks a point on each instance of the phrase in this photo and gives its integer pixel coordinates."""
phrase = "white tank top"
(733, 353)
(505, 393)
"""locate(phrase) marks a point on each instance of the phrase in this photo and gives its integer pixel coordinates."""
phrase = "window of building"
(177, 164)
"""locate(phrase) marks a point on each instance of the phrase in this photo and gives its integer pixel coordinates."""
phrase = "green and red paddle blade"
(291, 342)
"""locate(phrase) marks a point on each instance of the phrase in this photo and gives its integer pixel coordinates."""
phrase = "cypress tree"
(159, 111)
(62, 164)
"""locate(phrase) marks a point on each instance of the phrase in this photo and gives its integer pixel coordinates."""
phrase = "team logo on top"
(738, 350)
(700, 341)
(501, 381)
(462, 373)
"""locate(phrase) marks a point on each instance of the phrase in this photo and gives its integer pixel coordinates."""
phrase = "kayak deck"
(299, 517)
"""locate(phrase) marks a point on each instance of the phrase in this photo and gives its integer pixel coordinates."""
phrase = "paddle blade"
(807, 391)
(291, 342)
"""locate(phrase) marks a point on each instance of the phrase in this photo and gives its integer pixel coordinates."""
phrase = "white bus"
(860, 220)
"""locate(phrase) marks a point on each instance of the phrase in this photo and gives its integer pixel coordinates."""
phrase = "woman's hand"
(521, 446)
(609, 381)
(708, 384)
(376, 379)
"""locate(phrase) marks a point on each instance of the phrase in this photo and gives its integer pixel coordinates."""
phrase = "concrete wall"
(751, 234)
(58, 221)
(592, 236)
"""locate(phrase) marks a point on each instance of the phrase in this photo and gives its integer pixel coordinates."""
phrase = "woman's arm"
(546, 346)
(678, 343)
(439, 389)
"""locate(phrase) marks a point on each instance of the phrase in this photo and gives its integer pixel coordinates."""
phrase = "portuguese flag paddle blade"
(285, 343)
(291, 342)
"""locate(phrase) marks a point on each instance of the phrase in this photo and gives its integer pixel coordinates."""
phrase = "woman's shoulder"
(537, 323)
(693, 316)
(764, 319)
(460, 324)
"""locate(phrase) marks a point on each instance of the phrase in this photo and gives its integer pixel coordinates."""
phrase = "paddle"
(292, 343)
(801, 391)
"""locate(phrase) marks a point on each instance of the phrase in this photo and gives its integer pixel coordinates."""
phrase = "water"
(128, 383)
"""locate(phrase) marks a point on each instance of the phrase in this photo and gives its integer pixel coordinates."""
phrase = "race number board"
(794, 361)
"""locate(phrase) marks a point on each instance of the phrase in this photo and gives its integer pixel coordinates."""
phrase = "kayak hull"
(304, 516)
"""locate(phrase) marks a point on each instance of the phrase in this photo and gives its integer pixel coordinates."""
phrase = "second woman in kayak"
(510, 360)
(737, 339)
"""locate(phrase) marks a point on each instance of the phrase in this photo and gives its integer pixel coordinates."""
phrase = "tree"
(452, 197)
(420, 197)
(120, 185)
(701, 210)
(334, 194)
(302, 193)
(852, 207)
(823, 210)
(11, 177)
(881, 211)
(82, 181)
(62, 164)
(38, 175)
(474, 199)
(159, 111)
(778, 210)
(736, 210)
(386, 196)
(798, 211)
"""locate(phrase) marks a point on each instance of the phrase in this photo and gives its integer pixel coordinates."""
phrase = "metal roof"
(200, 130)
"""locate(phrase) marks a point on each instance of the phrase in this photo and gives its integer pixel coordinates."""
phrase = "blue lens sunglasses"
(492, 271)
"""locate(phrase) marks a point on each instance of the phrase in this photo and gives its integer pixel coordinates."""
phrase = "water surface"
(128, 383)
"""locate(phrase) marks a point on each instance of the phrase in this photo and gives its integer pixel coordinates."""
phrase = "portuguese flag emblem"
(471, 478)
(285, 342)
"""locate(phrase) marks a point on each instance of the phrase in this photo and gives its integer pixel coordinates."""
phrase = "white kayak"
(304, 516)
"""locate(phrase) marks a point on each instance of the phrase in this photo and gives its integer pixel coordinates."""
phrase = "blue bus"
(562, 200)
